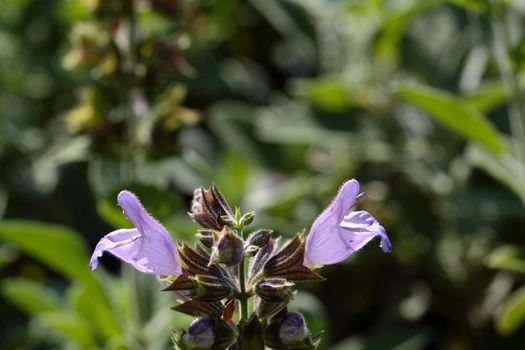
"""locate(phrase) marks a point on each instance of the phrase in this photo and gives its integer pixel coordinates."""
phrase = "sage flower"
(337, 232)
(148, 247)
(293, 328)
(201, 333)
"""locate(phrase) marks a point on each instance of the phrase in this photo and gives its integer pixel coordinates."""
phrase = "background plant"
(419, 100)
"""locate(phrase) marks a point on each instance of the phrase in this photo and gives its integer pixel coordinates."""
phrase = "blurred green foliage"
(277, 102)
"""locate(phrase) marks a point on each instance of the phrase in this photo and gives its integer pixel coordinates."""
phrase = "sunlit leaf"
(510, 258)
(331, 94)
(473, 5)
(488, 97)
(108, 210)
(394, 26)
(232, 176)
(29, 296)
(56, 246)
(454, 114)
(513, 313)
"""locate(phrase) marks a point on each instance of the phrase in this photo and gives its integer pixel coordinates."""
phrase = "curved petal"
(115, 243)
(325, 247)
(360, 228)
(148, 247)
(143, 253)
(324, 244)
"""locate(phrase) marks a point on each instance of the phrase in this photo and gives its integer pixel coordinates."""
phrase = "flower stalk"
(216, 278)
(242, 282)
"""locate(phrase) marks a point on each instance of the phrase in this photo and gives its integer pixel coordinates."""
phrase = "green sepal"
(253, 334)
(179, 342)
(274, 290)
(265, 309)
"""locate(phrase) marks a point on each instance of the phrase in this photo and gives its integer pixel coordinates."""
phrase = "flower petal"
(361, 228)
(324, 244)
(117, 242)
(148, 247)
(326, 247)
(136, 213)
(143, 253)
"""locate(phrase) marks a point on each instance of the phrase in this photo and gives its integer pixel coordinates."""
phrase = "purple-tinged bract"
(148, 247)
(337, 233)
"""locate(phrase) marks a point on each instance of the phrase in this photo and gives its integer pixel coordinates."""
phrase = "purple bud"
(228, 249)
(200, 333)
(209, 207)
(293, 328)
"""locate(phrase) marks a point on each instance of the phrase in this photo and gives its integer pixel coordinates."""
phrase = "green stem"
(242, 277)
(512, 83)
(130, 61)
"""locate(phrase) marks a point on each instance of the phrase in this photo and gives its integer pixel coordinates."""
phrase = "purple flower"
(293, 328)
(201, 333)
(148, 247)
(336, 233)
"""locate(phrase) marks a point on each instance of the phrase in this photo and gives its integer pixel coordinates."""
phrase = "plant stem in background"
(511, 81)
(130, 63)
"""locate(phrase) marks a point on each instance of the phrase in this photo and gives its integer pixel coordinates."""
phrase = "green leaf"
(233, 175)
(510, 258)
(488, 97)
(90, 303)
(67, 325)
(62, 249)
(31, 297)
(472, 5)
(58, 247)
(292, 122)
(388, 40)
(504, 167)
(512, 314)
(108, 210)
(454, 114)
(328, 93)
(232, 123)
(8, 254)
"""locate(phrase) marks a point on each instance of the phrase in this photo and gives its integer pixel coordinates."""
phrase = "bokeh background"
(277, 102)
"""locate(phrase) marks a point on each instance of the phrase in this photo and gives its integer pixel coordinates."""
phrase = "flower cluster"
(216, 277)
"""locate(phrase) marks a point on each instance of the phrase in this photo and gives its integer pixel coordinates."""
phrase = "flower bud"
(274, 290)
(247, 218)
(293, 328)
(209, 207)
(259, 238)
(228, 248)
(201, 333)
(212, 288)
(251, 250)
